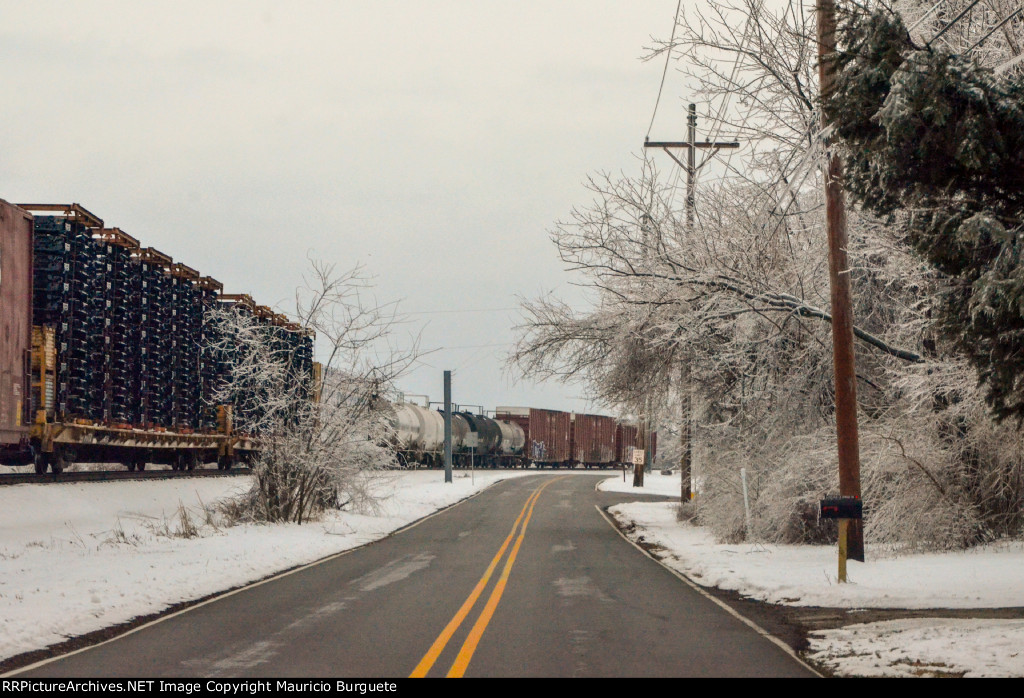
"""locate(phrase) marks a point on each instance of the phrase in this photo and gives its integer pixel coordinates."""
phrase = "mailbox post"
(845, 509)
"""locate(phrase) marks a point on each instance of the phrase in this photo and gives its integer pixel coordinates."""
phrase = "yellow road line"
(435, 650)
(461, 663)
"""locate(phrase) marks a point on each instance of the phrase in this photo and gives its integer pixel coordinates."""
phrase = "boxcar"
(546, 432)
(593, 440)
(15, 332)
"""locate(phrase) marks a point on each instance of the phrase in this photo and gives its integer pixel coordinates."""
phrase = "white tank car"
(418, 428)
(512, 437)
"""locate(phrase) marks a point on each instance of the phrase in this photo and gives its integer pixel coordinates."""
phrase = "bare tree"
(321, 433)
(741, 301)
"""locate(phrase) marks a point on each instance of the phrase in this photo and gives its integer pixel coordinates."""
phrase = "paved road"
(526, 579)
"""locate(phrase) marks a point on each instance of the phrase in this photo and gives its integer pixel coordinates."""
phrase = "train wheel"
(140, 465)
(58, 461)
(191, 460)
(41, 461)
(130, 465)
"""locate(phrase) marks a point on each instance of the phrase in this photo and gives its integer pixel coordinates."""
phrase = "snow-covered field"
(989, 577)
(75, 558)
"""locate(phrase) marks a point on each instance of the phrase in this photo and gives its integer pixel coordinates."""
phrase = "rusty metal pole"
(842, 306)
(447, 426)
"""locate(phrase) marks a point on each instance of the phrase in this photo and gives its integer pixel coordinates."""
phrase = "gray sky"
(435, 142)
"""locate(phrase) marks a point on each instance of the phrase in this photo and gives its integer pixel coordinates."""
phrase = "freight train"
(516, 437)
(105, 357)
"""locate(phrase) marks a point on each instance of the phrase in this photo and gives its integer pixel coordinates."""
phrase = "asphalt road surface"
(526, 579)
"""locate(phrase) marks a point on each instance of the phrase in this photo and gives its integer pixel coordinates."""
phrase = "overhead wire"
(664, 72)
(993, 30)
(457, 310)
(925, 16)
(719, 120)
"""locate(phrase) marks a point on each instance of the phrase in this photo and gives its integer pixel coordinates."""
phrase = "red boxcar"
(547, 433)
(15, 328)
(627, 437)
(593, 440)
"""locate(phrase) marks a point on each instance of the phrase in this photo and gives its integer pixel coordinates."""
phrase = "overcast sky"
(435, 142)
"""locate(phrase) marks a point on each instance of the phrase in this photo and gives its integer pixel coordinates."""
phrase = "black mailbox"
(841, 508)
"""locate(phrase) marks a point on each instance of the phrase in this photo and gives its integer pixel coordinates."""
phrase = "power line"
(477, 346)
(1010, 63)
(466, 310)
(668, 57)
(992, 31)
(951, 24)
(925, 16)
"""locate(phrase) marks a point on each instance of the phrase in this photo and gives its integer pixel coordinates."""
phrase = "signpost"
(638, 462)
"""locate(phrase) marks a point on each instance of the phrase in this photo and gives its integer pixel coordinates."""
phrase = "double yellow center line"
(461, 662)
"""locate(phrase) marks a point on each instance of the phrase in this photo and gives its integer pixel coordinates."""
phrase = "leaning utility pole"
(851, 531)
(691, 144)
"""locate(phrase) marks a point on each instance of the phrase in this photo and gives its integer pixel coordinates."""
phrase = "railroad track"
(102, 475)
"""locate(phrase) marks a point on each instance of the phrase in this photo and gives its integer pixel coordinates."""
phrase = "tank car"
(493, 443)
(477, 440)
(419, 434)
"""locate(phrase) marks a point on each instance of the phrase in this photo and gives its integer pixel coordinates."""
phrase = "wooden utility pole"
(842, 306)
(686, 457)
(692, 145)
(638, 468)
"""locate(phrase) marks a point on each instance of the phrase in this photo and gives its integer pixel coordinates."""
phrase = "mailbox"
(841, 508)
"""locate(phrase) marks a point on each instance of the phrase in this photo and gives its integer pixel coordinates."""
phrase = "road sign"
(638, 456)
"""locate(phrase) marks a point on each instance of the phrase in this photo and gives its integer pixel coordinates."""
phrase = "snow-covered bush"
(321, 434)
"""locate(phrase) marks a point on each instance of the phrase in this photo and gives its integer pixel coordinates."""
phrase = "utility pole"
(851, 531)
(638, 468)
(692, 145)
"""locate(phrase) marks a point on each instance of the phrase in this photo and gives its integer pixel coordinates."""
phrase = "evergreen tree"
(933, 135)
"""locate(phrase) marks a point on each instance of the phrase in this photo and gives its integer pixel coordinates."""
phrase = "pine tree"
(935, 136)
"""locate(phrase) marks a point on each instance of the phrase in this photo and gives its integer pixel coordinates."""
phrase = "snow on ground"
(75, 558)
(654, 483)
(805, 575)
(923, 647)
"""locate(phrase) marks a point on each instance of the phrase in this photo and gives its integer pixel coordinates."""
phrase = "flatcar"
(102, 348)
